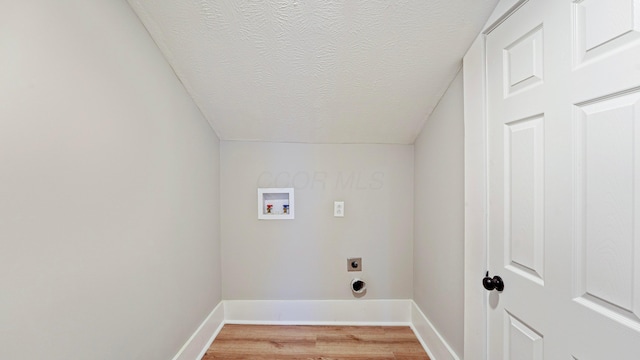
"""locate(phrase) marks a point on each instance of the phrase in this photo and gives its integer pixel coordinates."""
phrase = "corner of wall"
(202, 338)
(439, 216)
(433, 342)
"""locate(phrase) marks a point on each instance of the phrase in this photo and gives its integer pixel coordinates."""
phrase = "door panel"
(563, 85)
(524, 189)
(523, 62)
(607, 204)
(522, 342)
(602, 26)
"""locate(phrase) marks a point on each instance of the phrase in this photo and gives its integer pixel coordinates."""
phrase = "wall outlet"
(354, 264)
(338, 208)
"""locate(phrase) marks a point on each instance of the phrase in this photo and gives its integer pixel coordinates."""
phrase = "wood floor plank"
(261, 342)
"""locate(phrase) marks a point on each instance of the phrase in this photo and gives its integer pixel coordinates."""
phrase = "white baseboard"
(318, 312)
(199, 342)
(437, 348)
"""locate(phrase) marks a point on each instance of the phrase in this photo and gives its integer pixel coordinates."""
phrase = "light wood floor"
(260, 342)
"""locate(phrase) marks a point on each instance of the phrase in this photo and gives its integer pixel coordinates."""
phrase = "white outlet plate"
(338, 208)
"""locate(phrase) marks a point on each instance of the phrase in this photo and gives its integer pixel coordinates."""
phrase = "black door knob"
(493, 283)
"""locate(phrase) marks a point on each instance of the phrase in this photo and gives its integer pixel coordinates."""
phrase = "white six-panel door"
(563, 80)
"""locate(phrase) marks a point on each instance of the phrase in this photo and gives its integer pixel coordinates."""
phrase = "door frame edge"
(475, 197)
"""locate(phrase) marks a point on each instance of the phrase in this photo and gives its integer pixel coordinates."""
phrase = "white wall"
(305, 258)
(439, 218)
(109, 193)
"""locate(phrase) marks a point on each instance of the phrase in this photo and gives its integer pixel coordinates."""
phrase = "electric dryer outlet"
(354, 264)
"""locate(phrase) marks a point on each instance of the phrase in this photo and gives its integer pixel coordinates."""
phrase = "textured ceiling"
(350, 71)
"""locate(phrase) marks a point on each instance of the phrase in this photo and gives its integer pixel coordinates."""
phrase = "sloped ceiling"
(349, 71)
